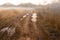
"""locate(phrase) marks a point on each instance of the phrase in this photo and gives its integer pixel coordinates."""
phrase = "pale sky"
(16, 2)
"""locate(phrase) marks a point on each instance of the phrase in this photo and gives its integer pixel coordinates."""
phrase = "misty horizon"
(36, 2)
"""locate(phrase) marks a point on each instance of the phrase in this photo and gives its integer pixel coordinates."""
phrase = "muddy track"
(26, 28)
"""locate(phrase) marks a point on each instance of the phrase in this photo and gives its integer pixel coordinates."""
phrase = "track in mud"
(25, 27)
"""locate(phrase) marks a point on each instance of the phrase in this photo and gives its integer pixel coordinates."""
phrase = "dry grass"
(48, 25)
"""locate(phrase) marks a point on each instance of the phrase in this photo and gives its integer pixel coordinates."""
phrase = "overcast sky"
(16, 2)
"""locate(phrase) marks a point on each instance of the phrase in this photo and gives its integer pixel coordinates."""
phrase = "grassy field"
(49, 21)
(12, 28)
